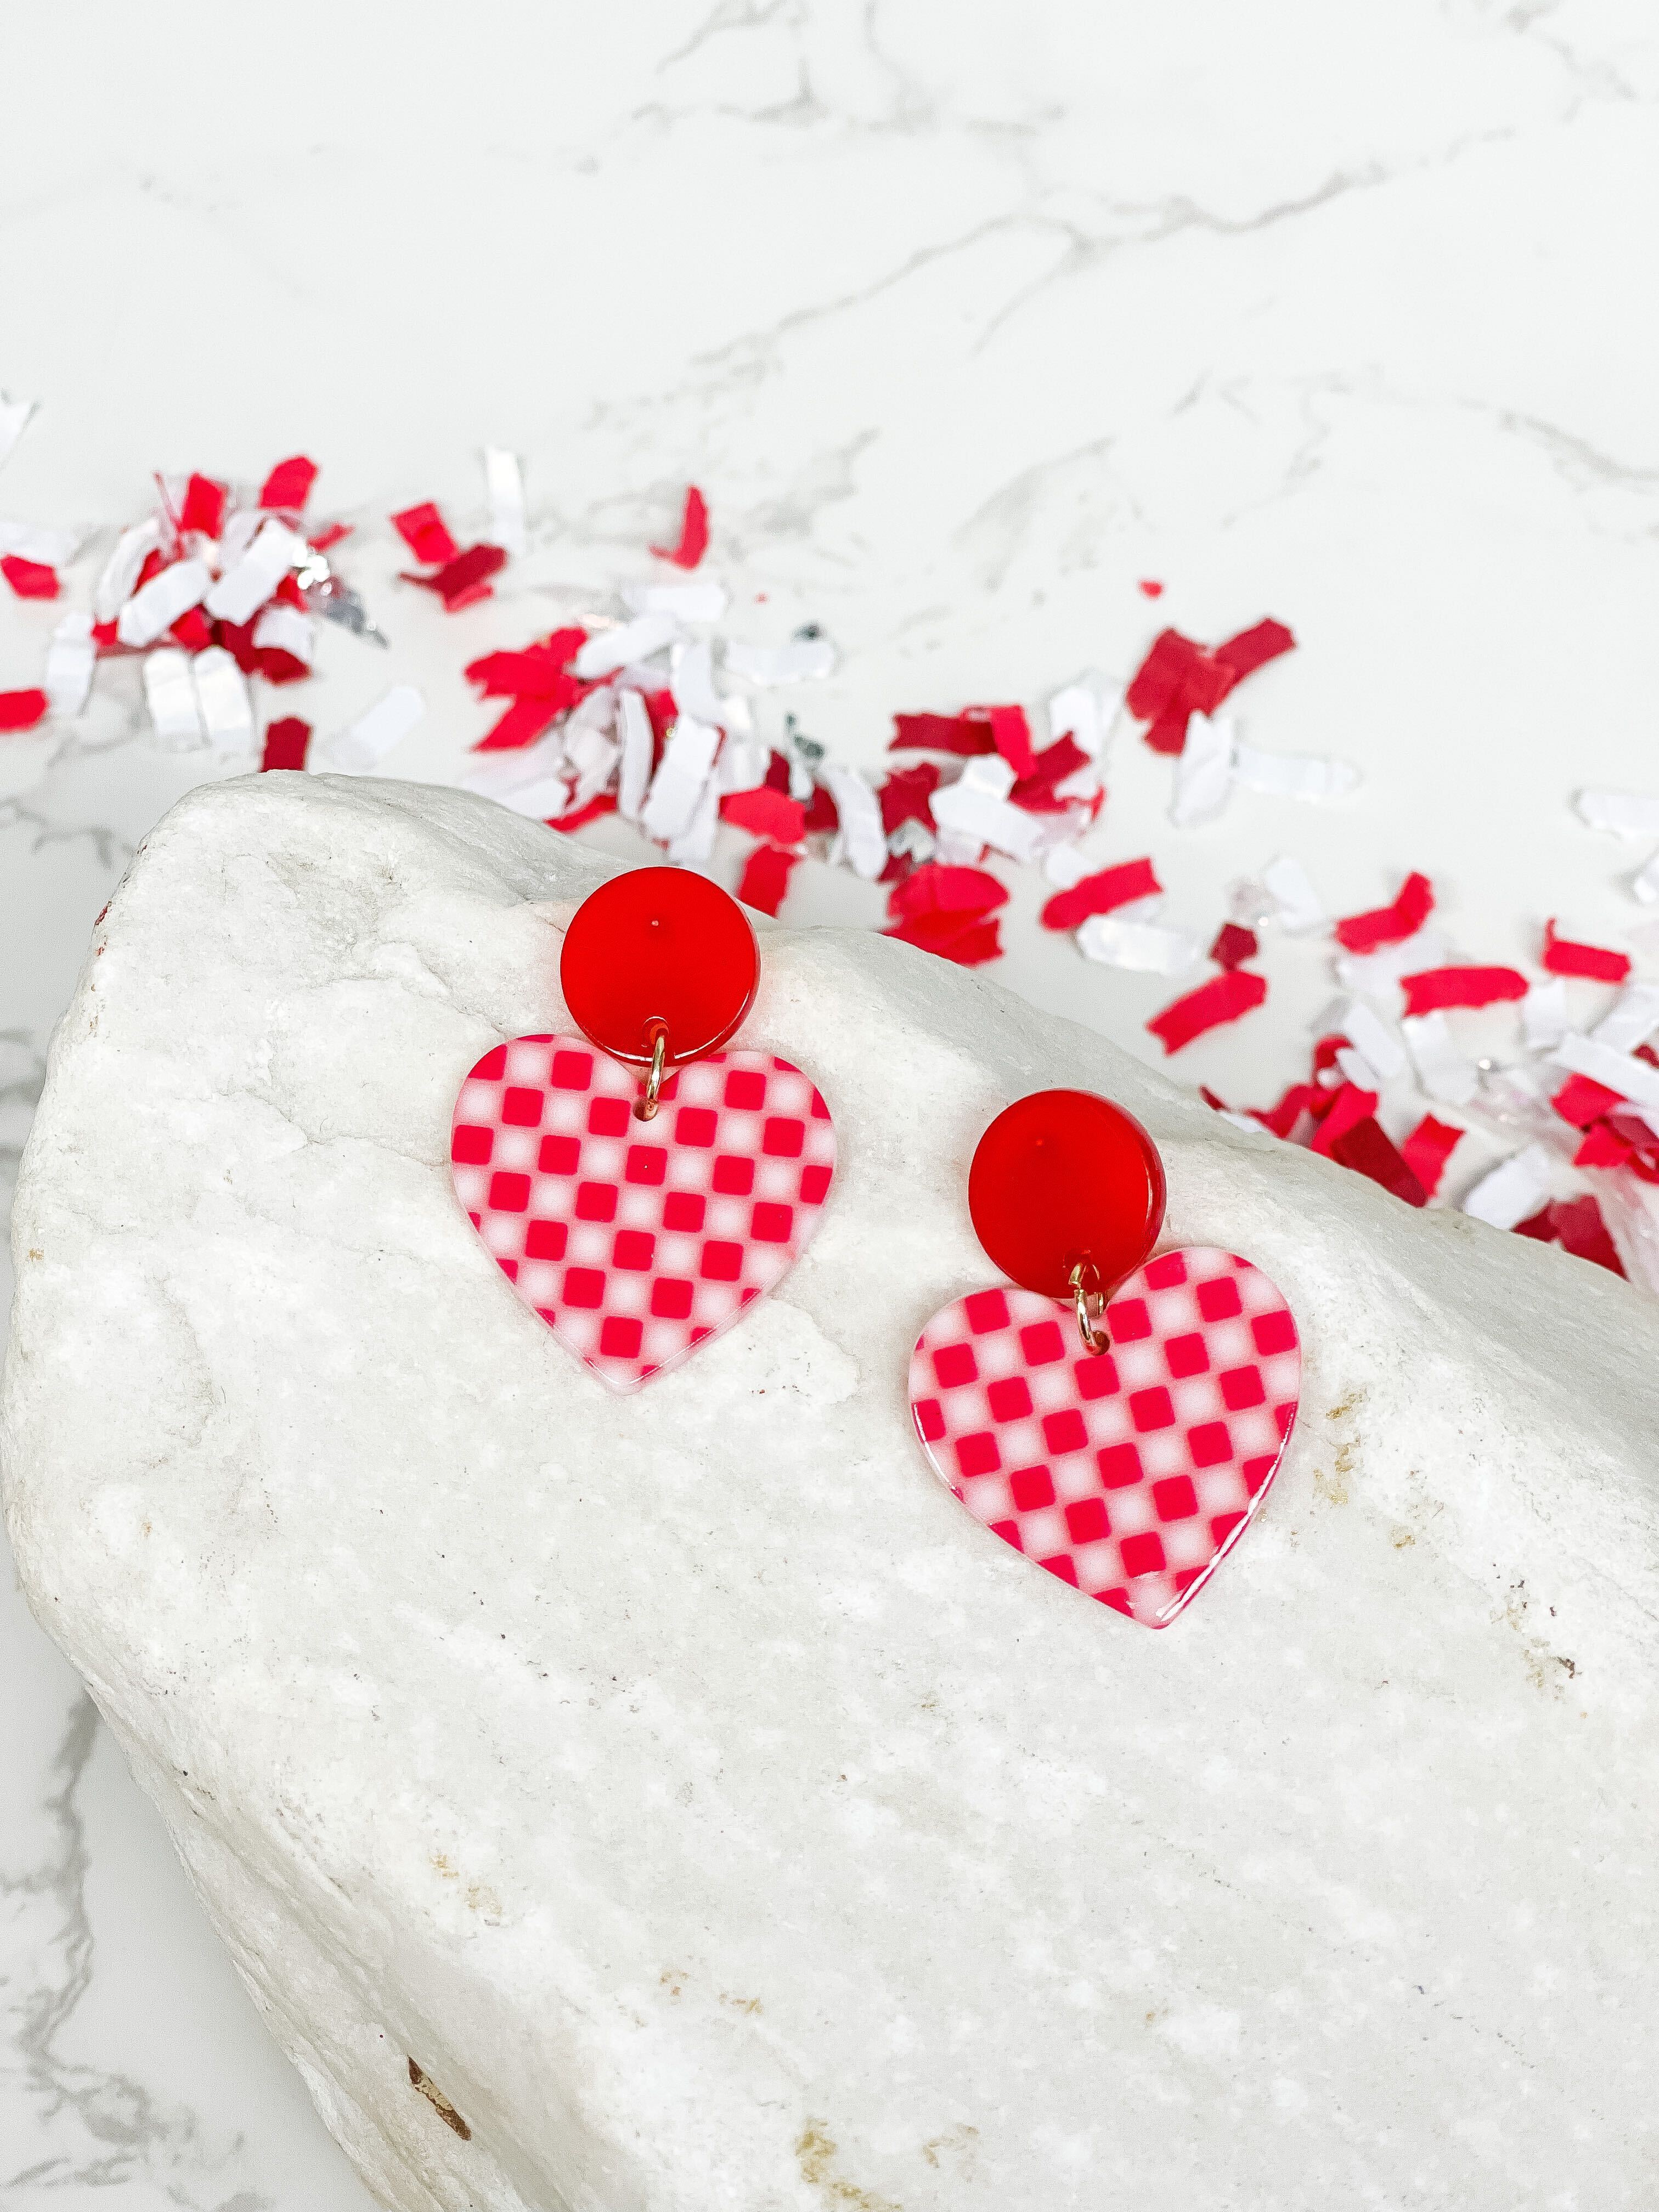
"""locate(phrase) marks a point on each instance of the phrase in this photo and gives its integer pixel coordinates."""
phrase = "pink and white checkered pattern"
(1132, 1472)
(635, 1241)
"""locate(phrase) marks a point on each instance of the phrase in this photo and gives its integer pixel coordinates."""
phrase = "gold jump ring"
(1090, 1307)
(646, 1109)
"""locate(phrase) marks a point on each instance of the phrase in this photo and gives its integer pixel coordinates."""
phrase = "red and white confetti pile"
(216, 592)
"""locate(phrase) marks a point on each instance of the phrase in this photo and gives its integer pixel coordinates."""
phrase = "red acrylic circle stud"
(1063, 1177)
(655, 950)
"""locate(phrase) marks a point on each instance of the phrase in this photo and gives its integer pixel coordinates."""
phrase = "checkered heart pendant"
(635, 1241)
(1130, 1473)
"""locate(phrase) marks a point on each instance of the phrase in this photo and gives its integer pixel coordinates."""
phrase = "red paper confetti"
(1100, 893)
(766, 876)
(1434, 989)
(1562, 957)
(1234, 944)
(521, 725)
(1580, 1229)
(204, 506)
(21, 710)
(537, 672)
(423, 530)
(1300, 1098)
(1223, 999)
(1391, 924)
(464, 580)
(285, 743)
(193, 630)
(1581, 1100)
(289, 487)
(769, 814)
(30, 580)
(1347, 1107)
(1011, 733)
(1152, 589)
(693, 532)
(1036, 792)
(968, 944)
(942, 733)
(905, 796)
(938, 889)
(605, 803)
(1180, 678)
(1427, 1150)
(1603, 1147)
(331, 536)
(1253, 648)
(823, 814)
(944, 909)
(1366, 1146)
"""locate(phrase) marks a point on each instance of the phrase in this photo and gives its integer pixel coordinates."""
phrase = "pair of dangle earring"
(638, 1185)
(1116, 1418)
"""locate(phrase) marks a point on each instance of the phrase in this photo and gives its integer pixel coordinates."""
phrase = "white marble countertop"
(967, 320)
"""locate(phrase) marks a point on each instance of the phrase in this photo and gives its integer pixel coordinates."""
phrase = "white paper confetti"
(593, 754)
(976, 806)
(32, 541)
(1543, 1013)
(1645, 882)
(687, 763)
(240, 532)
(1203, 771)
(14, 418)
(221, 699)
(1298, 902)
(132, 549)
(702, 601)
(1292, 776)
(691, 681)
(608, 650)
(804, 660)
(864, 840)
(1084, 712)
(1622, 813)
(499, 776)
(170, 695)
(1514, 1191)
(1632, 1020)
(1620, 1070)
(366, 741)
(638, 748)
(1357, 1068)
(1444, 1073)
(241, 591)
(1147, 947)
(695, 843)
(70, 659)
(285, 629)
(743, 764)
(1368, 1033)
(504, 484)
(152, 612)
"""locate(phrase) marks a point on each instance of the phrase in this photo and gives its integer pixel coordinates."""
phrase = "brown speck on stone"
(440, 2104)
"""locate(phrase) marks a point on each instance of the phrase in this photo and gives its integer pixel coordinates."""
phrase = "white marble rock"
(713, 1811)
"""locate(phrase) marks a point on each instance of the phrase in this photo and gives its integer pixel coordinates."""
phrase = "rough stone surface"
(713, 1811)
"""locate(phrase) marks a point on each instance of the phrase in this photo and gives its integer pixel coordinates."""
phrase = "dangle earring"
(1116, 1418)
(637, 1185)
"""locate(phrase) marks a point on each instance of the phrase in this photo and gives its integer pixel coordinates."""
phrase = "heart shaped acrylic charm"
(1131, 1472)
(636, 1241)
